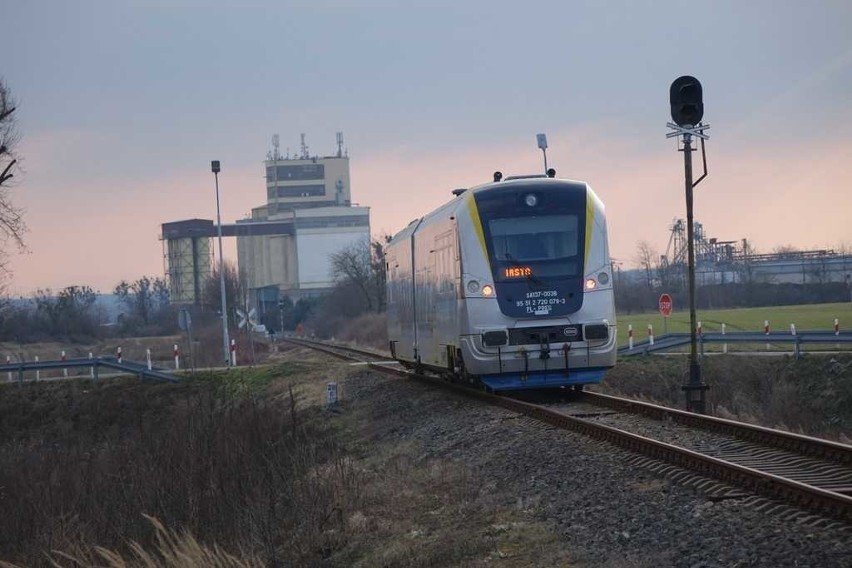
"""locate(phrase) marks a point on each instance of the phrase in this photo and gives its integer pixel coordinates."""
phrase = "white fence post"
(64, 369)
(724, 345)
(630, 336)
(177, 358)
(38, 373)
(148, 357)
(650, 334)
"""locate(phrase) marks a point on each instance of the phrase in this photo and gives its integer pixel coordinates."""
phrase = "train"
(508, 286)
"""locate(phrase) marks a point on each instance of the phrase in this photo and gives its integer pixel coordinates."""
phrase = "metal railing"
(142, 370)
(671, 341)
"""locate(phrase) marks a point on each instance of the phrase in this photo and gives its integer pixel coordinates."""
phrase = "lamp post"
(214, 165)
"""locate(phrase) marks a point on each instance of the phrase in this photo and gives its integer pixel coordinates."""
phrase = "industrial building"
(725, 262)
(284, 248)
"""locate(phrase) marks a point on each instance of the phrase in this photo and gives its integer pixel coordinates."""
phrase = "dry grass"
(247, 468)
(812, 395)
(82, 462)
(369, 330)
(172, 550)
(240, 469)
(419, 512)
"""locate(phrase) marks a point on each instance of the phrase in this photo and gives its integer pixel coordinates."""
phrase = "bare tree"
(646, 257)
(234, 296)
(786, 251)
(377, 265)
(147, 300)
(69, 313)
(353, 265)
(844, 249)
(12, 225)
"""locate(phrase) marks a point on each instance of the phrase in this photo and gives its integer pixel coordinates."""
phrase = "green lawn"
(806, 317)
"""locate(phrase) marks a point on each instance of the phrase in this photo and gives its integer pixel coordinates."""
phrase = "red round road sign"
(665, 305)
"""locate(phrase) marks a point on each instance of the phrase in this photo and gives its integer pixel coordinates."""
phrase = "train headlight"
(531, 200)
(487, 290)
(473, 286)
(603, 278)
(591, 284)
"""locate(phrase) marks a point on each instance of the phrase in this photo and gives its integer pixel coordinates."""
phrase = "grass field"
(244, 469)
(806, 317)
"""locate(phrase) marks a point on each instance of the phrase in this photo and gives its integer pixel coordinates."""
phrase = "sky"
(123, 104)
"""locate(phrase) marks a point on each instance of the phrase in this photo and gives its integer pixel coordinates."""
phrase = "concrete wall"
(315, 247)
(268, 260)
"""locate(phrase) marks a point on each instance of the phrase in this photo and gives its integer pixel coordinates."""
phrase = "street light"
(214, 165)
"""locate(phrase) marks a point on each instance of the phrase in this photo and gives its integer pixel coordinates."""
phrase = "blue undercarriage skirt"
(542, 379)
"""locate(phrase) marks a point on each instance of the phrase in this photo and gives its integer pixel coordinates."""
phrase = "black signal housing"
(687, 101)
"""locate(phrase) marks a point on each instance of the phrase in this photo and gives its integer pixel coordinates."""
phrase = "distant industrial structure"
(722, 262)
(284, 248)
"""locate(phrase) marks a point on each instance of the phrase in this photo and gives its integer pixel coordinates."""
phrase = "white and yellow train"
(508, 285)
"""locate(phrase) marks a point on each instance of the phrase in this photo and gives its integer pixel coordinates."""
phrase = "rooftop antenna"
(339, 144)
(276, 142)
(542, 143)
(305, 154)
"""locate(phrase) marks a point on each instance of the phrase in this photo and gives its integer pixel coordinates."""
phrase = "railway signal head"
(686, 98)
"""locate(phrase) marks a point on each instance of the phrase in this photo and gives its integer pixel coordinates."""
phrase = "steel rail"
(339, 351)
(828, 503)
(804, 445)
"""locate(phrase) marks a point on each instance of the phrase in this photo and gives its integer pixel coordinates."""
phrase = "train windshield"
(535, 246)
(533, 231)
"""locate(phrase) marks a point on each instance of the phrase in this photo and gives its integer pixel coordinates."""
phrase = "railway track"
(809, 473)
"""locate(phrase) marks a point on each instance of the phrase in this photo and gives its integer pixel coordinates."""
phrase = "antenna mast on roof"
(305, 154)
(276, 154)
(339, 144)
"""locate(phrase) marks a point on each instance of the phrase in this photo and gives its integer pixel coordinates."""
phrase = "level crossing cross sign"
(665, 305)
(248, 317)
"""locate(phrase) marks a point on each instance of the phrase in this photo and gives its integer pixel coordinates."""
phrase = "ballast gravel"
(606, 511)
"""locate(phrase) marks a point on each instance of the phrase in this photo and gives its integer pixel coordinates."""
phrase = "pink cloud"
(772, 196)
(98, 230)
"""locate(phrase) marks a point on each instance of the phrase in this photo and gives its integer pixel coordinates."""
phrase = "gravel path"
(607, 511)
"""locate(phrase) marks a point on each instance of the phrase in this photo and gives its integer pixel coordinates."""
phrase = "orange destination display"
(517, 271)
